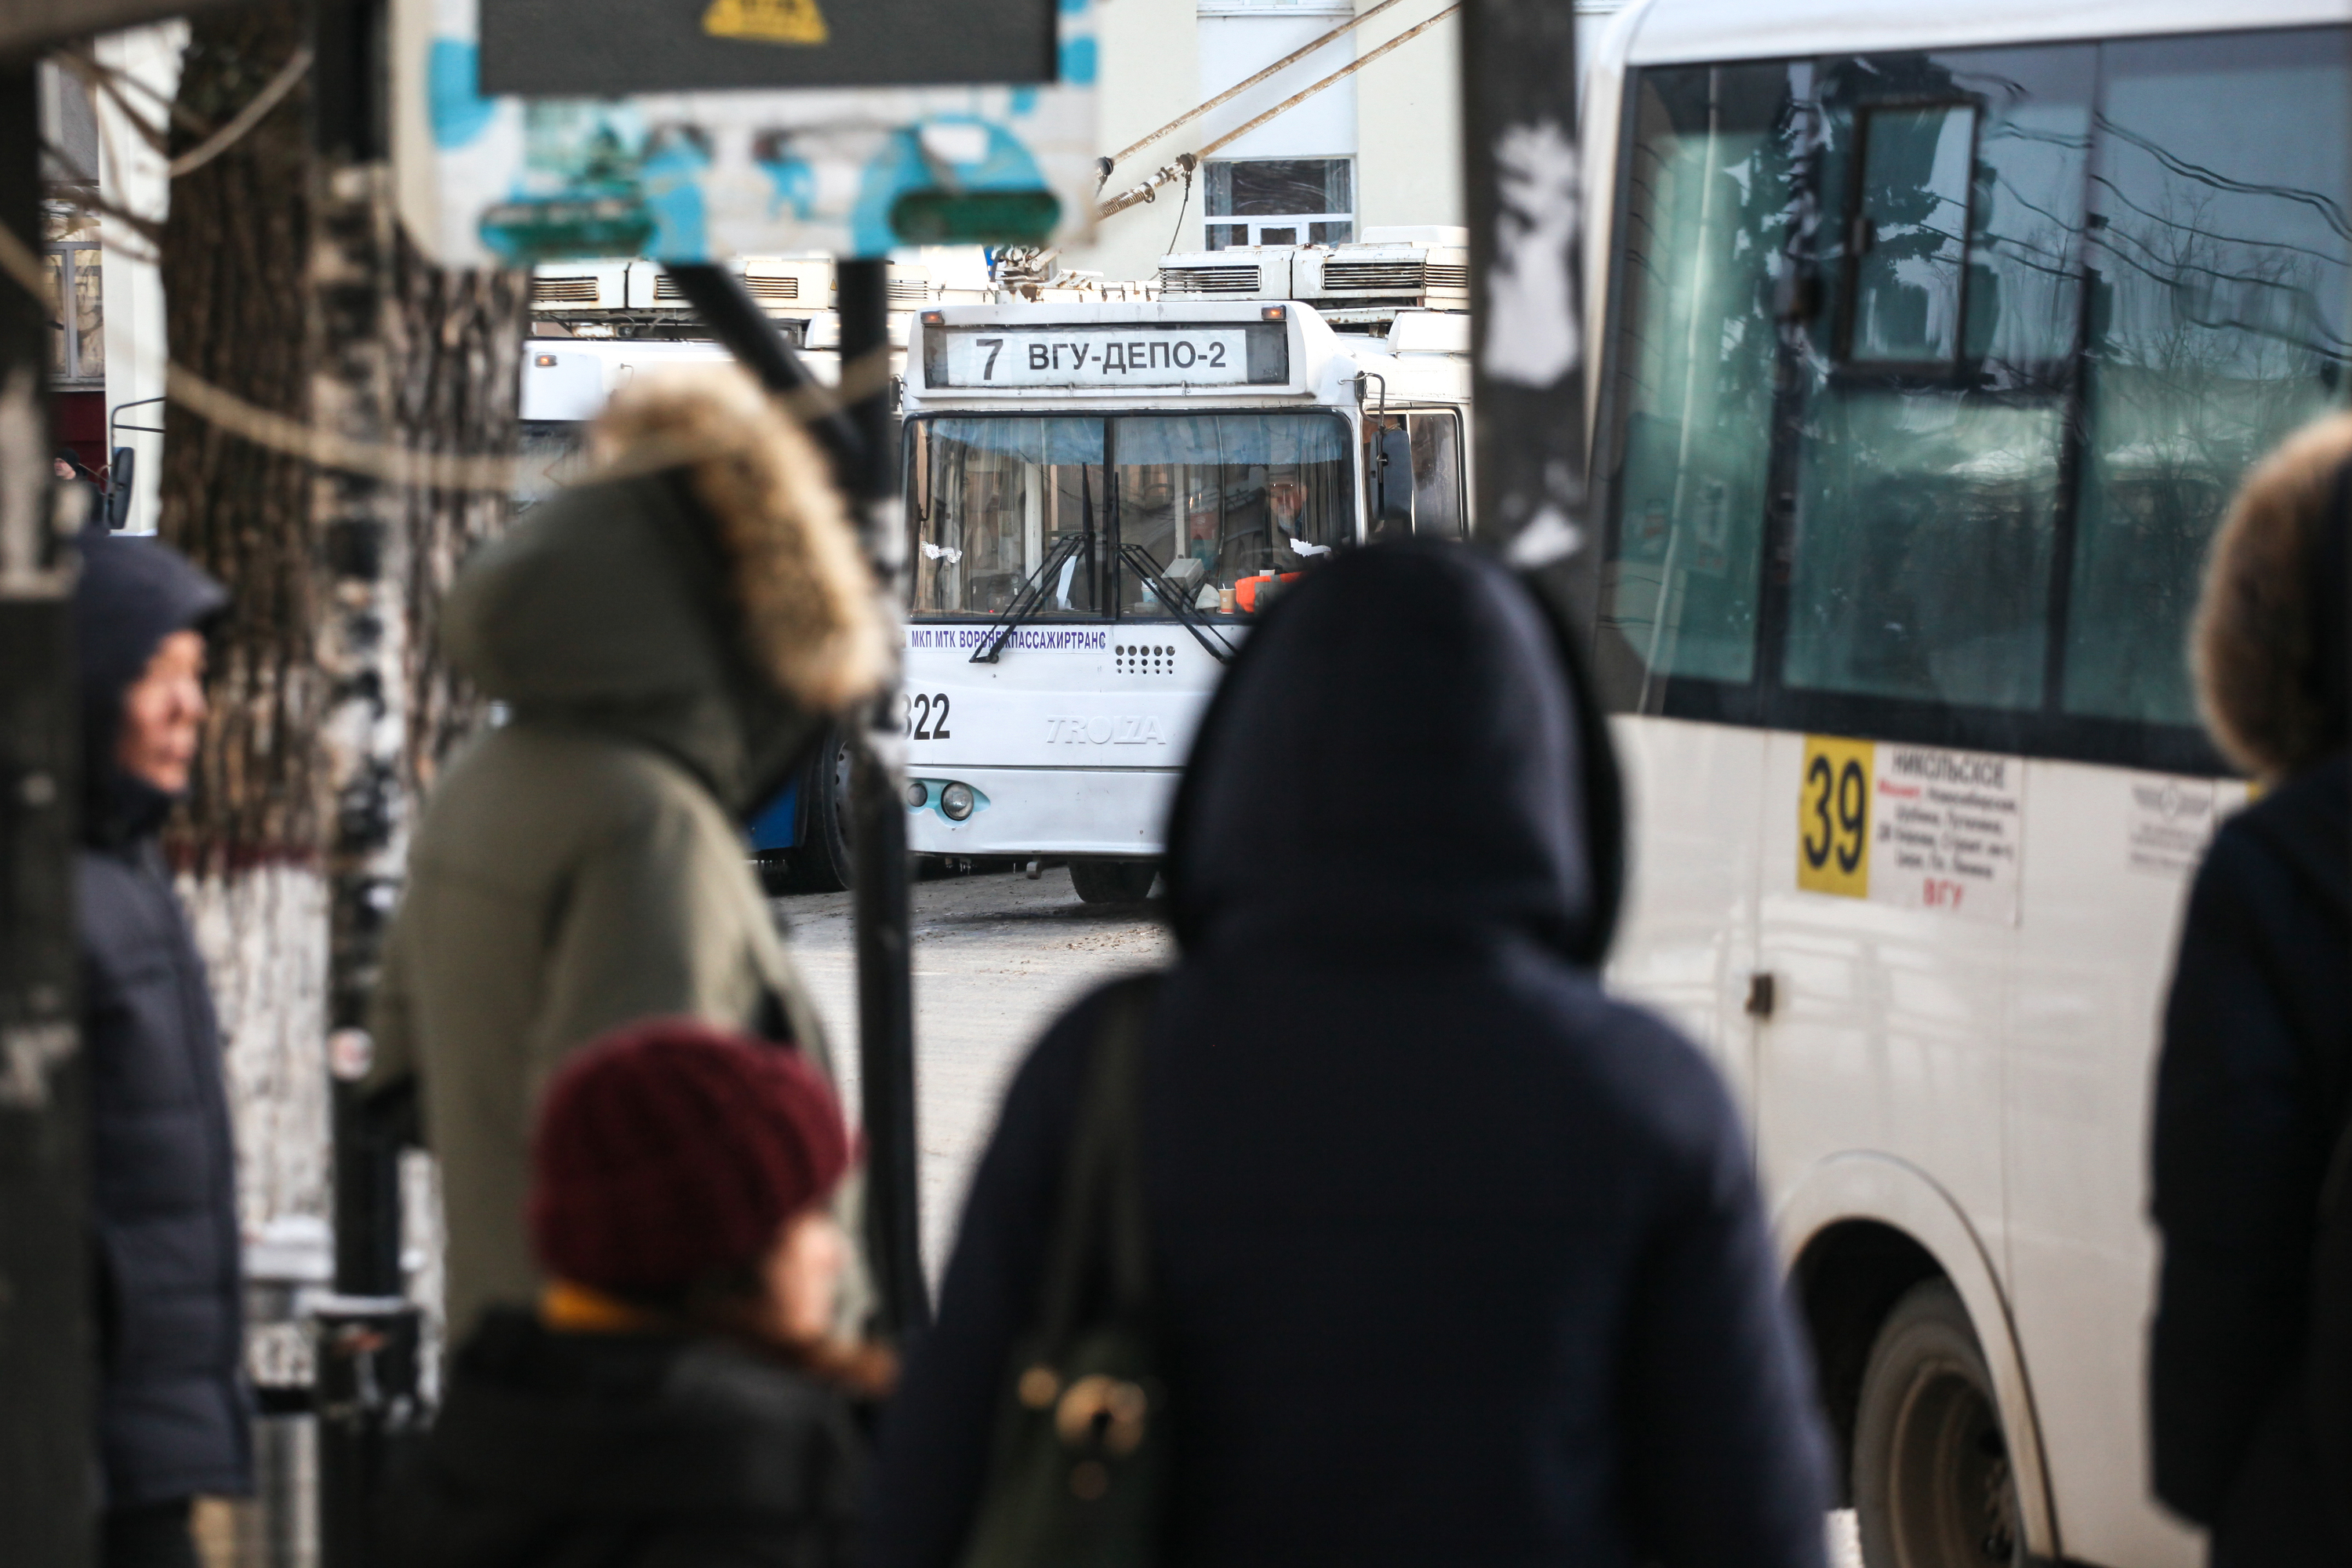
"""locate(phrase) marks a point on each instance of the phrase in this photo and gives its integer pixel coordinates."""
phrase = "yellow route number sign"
(1833, 805)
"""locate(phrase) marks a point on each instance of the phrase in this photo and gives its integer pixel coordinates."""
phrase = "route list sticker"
(1918, 826)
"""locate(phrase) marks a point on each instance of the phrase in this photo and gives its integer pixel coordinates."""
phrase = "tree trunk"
(331, 709)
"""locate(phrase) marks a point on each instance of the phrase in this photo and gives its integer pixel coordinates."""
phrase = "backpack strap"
(1100, 1231)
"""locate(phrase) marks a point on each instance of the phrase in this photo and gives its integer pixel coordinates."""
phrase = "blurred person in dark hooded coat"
(173, 1408)
(1456, 1259)
(2255, 1077)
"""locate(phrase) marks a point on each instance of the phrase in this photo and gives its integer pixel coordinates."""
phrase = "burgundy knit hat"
(670, 1150)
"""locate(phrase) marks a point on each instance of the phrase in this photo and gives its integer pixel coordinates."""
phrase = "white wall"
(1151, 74)
(1409, 118)
(132, 175)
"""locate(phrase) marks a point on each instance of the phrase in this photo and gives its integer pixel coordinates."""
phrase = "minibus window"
(1437, 475)
(1927, 504)
(1708, 216)
(2218, 327)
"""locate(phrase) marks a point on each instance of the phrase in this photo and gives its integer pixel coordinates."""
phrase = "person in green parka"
(668, 638)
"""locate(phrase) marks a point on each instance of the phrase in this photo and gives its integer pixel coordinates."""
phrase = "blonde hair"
(2255, 635)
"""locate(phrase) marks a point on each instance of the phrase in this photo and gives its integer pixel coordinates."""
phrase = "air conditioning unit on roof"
(1363, 284)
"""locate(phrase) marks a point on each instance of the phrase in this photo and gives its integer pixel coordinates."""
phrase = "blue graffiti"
(672, 182)
(1004, 165)
(1079, 62)
(454, 101)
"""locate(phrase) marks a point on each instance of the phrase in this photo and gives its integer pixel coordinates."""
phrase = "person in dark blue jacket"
(173, 1403)
(2254, 1081)
(1458, 1260)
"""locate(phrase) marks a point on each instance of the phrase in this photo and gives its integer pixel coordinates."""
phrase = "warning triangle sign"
(766, 21)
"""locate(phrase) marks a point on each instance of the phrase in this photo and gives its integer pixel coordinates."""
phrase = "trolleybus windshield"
(1224, 505)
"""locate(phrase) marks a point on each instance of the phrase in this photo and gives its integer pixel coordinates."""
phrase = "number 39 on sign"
(1833, 804)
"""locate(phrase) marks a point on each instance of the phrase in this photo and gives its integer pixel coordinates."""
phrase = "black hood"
(1405, 748)
(132, 594)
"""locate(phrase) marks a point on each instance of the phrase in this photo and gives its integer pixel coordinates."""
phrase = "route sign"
(641, 165)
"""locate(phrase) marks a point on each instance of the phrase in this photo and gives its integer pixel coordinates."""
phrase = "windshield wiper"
(1029, 601)
(1178, 606)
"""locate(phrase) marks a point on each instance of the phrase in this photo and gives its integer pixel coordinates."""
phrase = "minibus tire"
(1113, 881)
(1932, 1485)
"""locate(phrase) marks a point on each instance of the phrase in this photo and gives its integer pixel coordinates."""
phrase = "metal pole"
(366, 1392)
(1521, 177)
(886, 1002)
(48, 1360)
(863, 443)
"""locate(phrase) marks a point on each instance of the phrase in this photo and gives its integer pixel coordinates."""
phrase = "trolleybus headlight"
(918, 795)
(956, 802)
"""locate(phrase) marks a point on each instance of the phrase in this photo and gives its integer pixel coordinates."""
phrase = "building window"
(1281, 201)
(77, 300)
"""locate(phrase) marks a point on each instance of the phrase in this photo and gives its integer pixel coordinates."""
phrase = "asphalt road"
(996, 958)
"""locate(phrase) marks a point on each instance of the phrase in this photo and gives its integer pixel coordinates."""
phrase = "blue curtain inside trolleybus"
(1969, 349)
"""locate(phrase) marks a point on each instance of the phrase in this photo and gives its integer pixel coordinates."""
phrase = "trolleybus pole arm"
(727, 308)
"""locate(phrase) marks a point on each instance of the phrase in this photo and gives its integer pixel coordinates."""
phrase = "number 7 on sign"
(1834, 794)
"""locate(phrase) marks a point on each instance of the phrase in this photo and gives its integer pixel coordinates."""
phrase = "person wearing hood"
(668, 639)
(676, 1398)
(174, 1409)
(1453, 1258)
(2254, 1079)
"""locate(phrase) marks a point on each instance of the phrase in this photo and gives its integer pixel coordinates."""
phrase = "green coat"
(580, 865)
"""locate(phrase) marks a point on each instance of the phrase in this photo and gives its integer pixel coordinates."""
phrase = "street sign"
(603, 49)
(645, 168)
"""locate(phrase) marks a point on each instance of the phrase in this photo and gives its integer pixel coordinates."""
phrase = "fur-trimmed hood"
(2269, 644)
(701, 592)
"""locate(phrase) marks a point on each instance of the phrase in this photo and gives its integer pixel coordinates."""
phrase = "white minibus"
(1931, 341)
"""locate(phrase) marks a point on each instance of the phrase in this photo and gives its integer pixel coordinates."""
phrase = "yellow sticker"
(1834, 796)
(766, 21)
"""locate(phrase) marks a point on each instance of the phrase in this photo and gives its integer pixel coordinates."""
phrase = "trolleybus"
(1098, 500)
(1932, 342)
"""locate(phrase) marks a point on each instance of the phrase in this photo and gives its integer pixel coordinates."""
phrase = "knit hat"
(670, 1150)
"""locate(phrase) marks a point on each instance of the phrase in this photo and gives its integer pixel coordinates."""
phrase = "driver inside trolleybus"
(1208, 511)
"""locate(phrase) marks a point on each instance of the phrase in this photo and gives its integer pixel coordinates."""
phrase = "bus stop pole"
(886, 1007)
(47, 1361)
(1522, 183)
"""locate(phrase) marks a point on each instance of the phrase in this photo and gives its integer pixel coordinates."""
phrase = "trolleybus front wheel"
(1113, 881)
(823, 860)
(1932, 1484)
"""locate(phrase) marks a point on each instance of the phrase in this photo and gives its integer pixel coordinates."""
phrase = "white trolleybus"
(1101, 497)
(1932, 342)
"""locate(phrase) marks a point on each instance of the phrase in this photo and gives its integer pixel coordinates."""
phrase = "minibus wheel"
(1113, 881)
(1932, 1485)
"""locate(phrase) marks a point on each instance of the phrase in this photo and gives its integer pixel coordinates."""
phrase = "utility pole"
(1526, 201)
(886, 1002)
(47, 1361)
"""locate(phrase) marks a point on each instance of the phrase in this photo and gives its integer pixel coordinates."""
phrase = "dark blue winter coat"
(173, 1403)
(2251, 1092)
(1460, 1261)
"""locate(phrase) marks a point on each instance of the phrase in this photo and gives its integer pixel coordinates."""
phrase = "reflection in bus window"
(1412, 474)
(2218, 327)
(1218, 501)
(1910, 235)
(1928, 504)
(1707, 211)
(994, 499)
